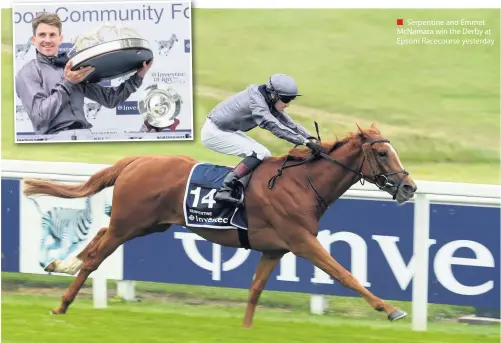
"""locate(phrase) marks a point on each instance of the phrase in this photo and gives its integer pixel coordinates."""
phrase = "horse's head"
(368, 155)
(382, 167)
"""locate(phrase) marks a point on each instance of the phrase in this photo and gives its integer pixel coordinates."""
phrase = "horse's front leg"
(311, 249)
(265, 266)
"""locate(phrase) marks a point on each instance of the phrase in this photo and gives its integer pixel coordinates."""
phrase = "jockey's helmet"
(282, 87)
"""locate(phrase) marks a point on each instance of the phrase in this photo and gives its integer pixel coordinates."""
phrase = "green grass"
(439, 104)
(347, 61)
(167, 310)
(338, 306)
(26, 317)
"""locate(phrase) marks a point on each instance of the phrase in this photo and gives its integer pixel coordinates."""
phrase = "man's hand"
(313, 144)
(314, 139)
(142, 72)
(77, 75)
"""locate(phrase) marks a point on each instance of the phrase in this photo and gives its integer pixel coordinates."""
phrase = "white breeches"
(231, 143)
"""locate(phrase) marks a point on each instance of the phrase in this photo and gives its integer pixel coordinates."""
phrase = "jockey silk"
(248, 109)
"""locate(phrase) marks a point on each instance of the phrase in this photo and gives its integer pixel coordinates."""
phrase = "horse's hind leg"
(73, 265)
(311, 249)
(266, 264)
(96, 255)
(96, 252)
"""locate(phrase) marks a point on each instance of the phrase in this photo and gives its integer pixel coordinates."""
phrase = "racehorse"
(150, 192)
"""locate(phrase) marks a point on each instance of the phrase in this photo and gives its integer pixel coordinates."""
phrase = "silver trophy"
(112, 49)
(160, 106)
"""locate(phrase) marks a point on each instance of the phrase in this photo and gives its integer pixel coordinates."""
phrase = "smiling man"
(53, 94)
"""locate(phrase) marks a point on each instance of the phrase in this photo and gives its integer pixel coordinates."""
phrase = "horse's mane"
(302, 153)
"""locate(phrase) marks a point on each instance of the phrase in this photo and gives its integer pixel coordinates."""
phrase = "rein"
(273, 180)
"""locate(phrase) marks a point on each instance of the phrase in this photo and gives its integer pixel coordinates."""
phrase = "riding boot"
(225, 192)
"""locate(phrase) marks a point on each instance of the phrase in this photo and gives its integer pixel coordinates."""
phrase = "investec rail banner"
(371, 238)
(377, 247)
(167, 87)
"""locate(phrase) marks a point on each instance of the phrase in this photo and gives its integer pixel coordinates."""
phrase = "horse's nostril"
(408, 189)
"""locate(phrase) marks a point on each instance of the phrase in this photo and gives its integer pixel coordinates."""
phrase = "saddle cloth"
(200, 208)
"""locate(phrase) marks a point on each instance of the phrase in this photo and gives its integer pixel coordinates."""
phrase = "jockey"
(257, 105)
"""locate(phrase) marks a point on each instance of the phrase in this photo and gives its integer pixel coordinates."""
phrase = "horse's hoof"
(55, 312)
(50, 267)
(396, 315)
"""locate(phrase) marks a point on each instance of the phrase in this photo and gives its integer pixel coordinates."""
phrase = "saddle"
(200, 207)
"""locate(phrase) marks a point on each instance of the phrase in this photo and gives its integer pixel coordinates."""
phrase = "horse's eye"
(382, 154)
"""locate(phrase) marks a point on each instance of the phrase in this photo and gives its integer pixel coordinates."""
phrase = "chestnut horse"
(283, 214)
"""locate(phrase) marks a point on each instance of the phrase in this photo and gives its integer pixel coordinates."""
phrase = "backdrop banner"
(160, 109)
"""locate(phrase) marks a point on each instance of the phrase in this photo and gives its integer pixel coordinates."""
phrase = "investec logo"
(208, 220)
(128, 108)
(169, 78)
(65, 47)
(442, 262)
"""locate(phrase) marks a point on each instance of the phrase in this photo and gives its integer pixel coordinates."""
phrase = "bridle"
(380, 179)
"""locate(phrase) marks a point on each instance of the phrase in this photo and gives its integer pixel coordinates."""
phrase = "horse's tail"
(96, 183)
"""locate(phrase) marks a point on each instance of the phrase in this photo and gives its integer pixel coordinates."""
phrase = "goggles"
(286, 98)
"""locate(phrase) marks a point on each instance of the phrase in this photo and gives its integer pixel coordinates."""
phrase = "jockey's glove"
(314, 146)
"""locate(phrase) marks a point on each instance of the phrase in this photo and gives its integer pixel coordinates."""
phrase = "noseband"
(380, 179)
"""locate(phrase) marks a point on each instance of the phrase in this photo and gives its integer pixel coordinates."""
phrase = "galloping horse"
(150, 194)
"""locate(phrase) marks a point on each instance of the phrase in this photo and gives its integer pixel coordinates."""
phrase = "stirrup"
(226, 196)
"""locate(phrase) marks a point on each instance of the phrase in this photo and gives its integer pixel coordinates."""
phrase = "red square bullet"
(400, 22)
